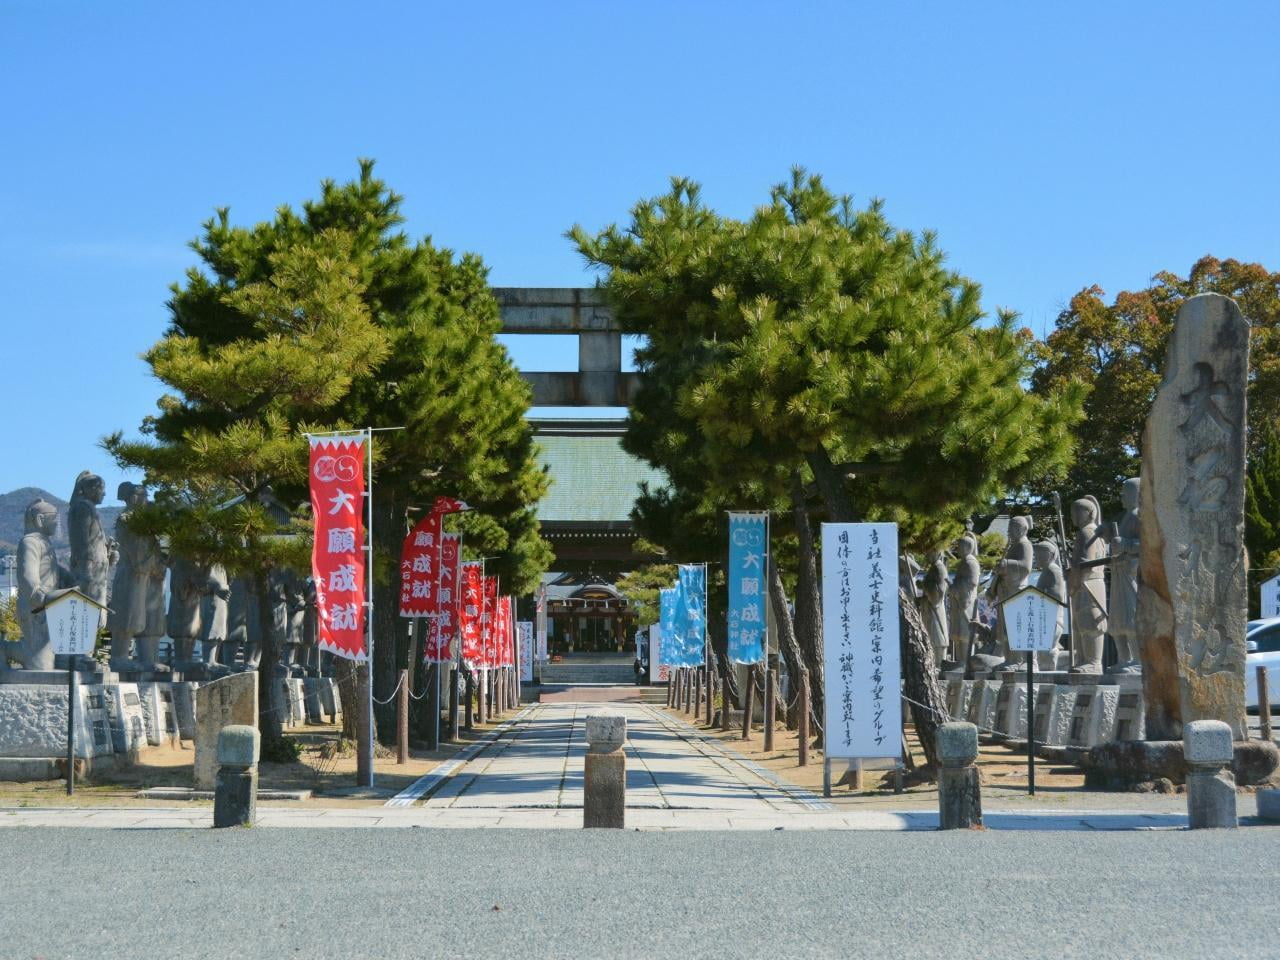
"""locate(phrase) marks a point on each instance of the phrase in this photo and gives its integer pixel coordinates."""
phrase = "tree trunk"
(808, 604)
(347, 679)
(832, 486)
(389, 628)
(919, 684)
(270, 720)
(787, 639)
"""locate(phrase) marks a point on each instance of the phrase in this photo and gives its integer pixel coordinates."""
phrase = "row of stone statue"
(950, 608)
(127, 576)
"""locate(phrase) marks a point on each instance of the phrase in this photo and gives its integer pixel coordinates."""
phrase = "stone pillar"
(604, 801)
(1192, 569)
(1211, 786)
(959, 789)
(235, 798)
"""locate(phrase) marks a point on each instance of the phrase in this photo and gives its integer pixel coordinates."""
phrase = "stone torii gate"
(599, 381)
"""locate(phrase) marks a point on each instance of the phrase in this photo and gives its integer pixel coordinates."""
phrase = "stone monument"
(1192, 568)
(1011, 575)
(231, 700)
(39, 573)
(1087, 586)
(91, 551)
(963, 595)
(934, 607)
(1122, 613)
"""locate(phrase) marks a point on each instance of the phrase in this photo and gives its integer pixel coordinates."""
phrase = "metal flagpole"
(368, 606)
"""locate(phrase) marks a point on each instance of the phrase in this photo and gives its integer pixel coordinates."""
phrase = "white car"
(1262, 643)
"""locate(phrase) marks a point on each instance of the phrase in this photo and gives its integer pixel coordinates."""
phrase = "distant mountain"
(14, 504)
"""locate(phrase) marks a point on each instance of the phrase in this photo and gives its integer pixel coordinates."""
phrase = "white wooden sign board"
(73, 623)
(1031, 618)
(1270, 598)
(863, 671)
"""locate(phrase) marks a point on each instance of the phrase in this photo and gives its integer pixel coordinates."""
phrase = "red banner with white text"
(337, 555)
(489, 622)
(507, 637)
(469, 615)
(443, 626)
(420, 560)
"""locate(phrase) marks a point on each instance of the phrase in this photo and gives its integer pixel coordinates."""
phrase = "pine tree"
(815, 349)
(231, 433)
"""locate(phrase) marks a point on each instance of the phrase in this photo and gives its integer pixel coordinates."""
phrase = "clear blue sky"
(1052, 146)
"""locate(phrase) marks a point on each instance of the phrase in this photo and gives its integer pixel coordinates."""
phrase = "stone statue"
(963, 596)
(1087, 586)
(933, 607)
(137, 608)
(186, 591)
(1054, 583)
(39, 574)
(213, 613)
(243, 647)
(91, 552)
(1123, 610)
(1010, 576)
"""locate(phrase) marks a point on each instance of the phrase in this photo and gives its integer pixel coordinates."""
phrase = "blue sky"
(1050, 146)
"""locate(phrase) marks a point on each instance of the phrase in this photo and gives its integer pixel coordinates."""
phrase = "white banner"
(524, 633)
(862, 669)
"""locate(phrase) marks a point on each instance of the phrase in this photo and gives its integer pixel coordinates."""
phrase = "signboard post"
(1032, 619)
(73, 622)
(863, 669)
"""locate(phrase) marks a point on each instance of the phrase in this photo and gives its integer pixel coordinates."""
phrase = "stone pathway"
(538, 764)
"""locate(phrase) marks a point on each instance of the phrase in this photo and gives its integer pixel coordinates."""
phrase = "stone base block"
(1093, 718)
(982, 706)
(959, 693)
(311, 692)
(1054, 704)
(1211, 800)
(30, 769)
(235, 798)
(128, 724)
(1269, 804)
(1124, 764)
(1011, 710)
(33, 721)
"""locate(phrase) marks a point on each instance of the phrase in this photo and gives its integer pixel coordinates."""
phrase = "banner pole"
(367, 778)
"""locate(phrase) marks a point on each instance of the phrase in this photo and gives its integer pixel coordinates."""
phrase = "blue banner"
(690, 622)
(748, 608)
(669, 643)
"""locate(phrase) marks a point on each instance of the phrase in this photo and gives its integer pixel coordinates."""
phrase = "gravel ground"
(474, 893)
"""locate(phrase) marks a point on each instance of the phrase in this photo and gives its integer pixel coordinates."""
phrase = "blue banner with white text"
(669, 644)
(748, 555)
(690, 621)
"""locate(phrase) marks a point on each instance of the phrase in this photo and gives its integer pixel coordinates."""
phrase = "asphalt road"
(516, 894)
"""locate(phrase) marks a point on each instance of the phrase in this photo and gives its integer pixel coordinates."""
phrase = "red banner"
(337, 555)
(489, 621)
(420, 560)
(439, 645)
(506, 638)
(469, 616)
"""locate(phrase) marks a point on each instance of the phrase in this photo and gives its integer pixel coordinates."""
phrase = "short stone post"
(604, 801)
(1211, 786)
(959, 789)
(235, 796)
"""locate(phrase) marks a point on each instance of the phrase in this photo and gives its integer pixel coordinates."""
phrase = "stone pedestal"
(128, 724)
(959, 788)
(235, 798)
(1211, 787)
(1093, 717)
(959, 692)
(982, 705)
(1011, 715)
(605, 777)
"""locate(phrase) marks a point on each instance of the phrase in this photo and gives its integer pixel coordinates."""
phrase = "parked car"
(1262, 645)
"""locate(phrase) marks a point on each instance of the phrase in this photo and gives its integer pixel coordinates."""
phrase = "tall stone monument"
(1192, 572)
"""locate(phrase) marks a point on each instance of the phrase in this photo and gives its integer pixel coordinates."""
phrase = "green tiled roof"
(592, 477)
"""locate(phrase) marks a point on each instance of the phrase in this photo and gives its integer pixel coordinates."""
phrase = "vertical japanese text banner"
(542, 623)
(526, 651)
(472, 609)
(748, 555)
(444, 624)
(668, 644)
(337, 555)
(863, 673)
(489, 622)
(692, 624)
(420, 560)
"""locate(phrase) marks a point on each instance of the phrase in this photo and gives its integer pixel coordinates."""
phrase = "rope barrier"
(947, 718)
